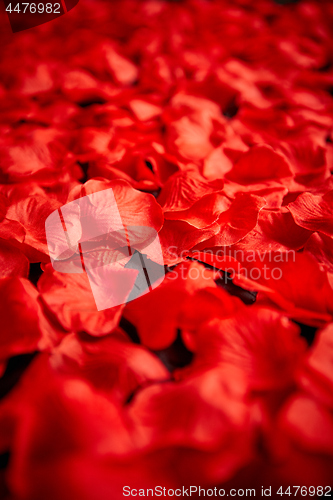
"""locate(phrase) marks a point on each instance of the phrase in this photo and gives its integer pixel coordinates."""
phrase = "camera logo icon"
(88, 236)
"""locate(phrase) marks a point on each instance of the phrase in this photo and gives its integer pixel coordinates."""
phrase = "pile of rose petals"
(212, 121)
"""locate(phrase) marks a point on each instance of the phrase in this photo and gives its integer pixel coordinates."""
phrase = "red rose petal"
(183, 189)
(113, 364)
(314, 213)
(258, 164)
(321, 247)
(13, 262)
(135, 208)
(169, 305)
(70, 298)
(236, 222)
(294, 282)
(263, 344)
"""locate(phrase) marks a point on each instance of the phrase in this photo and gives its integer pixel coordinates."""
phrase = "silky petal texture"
(70, 299)
(189, 139)
(18, 192)
(279, 226)
(39, 153)
(31, 214)
(295, 283)
(321, 247)
(183, 189)
(204, 212)
(143, 166)
(263, 344)
(3, 207)
(236, 222)
(314, 212)
(307, 160)
(135, 208)
(258, 164)
(276, 231)
(93, 142)
(101, 168)
(272, 190)
(178, 238)
(63, 231)
(12, 231)
(111, 284)
(13, 262)
(189, 136)
(90, 220)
